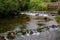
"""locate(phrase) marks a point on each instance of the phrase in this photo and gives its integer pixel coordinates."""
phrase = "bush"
(13, 6)
(38, 6)
(58, 9)
(42, 7)
(58, 18)
(54, 0)
(8, 5)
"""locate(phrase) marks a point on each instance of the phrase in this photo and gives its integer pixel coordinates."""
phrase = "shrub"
(58, 9)
(38, 6)
(42, 7)
(54, 0)
(13, 6)
(58, 18)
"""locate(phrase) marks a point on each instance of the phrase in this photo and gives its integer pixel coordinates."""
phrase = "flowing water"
(50, 34)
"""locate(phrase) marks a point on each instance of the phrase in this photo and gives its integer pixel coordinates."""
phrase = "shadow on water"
(9, 24)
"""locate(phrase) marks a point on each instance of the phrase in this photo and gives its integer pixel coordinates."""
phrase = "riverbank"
(9, 24)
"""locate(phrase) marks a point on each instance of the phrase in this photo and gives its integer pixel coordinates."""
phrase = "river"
(51, 34)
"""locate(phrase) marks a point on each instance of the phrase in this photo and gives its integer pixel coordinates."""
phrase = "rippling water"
(51, 34)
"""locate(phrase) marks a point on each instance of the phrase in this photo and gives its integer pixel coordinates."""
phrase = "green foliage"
(24, 5)
(7, 6)
(58, 18)
(21, 5)
(33, 5)
(54, 0)
(38, 6)
(40, 1)
(58, 0)
(58, 9)
(42, 6)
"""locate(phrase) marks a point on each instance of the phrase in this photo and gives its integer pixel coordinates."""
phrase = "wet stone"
(11, 35)
(2, 38)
